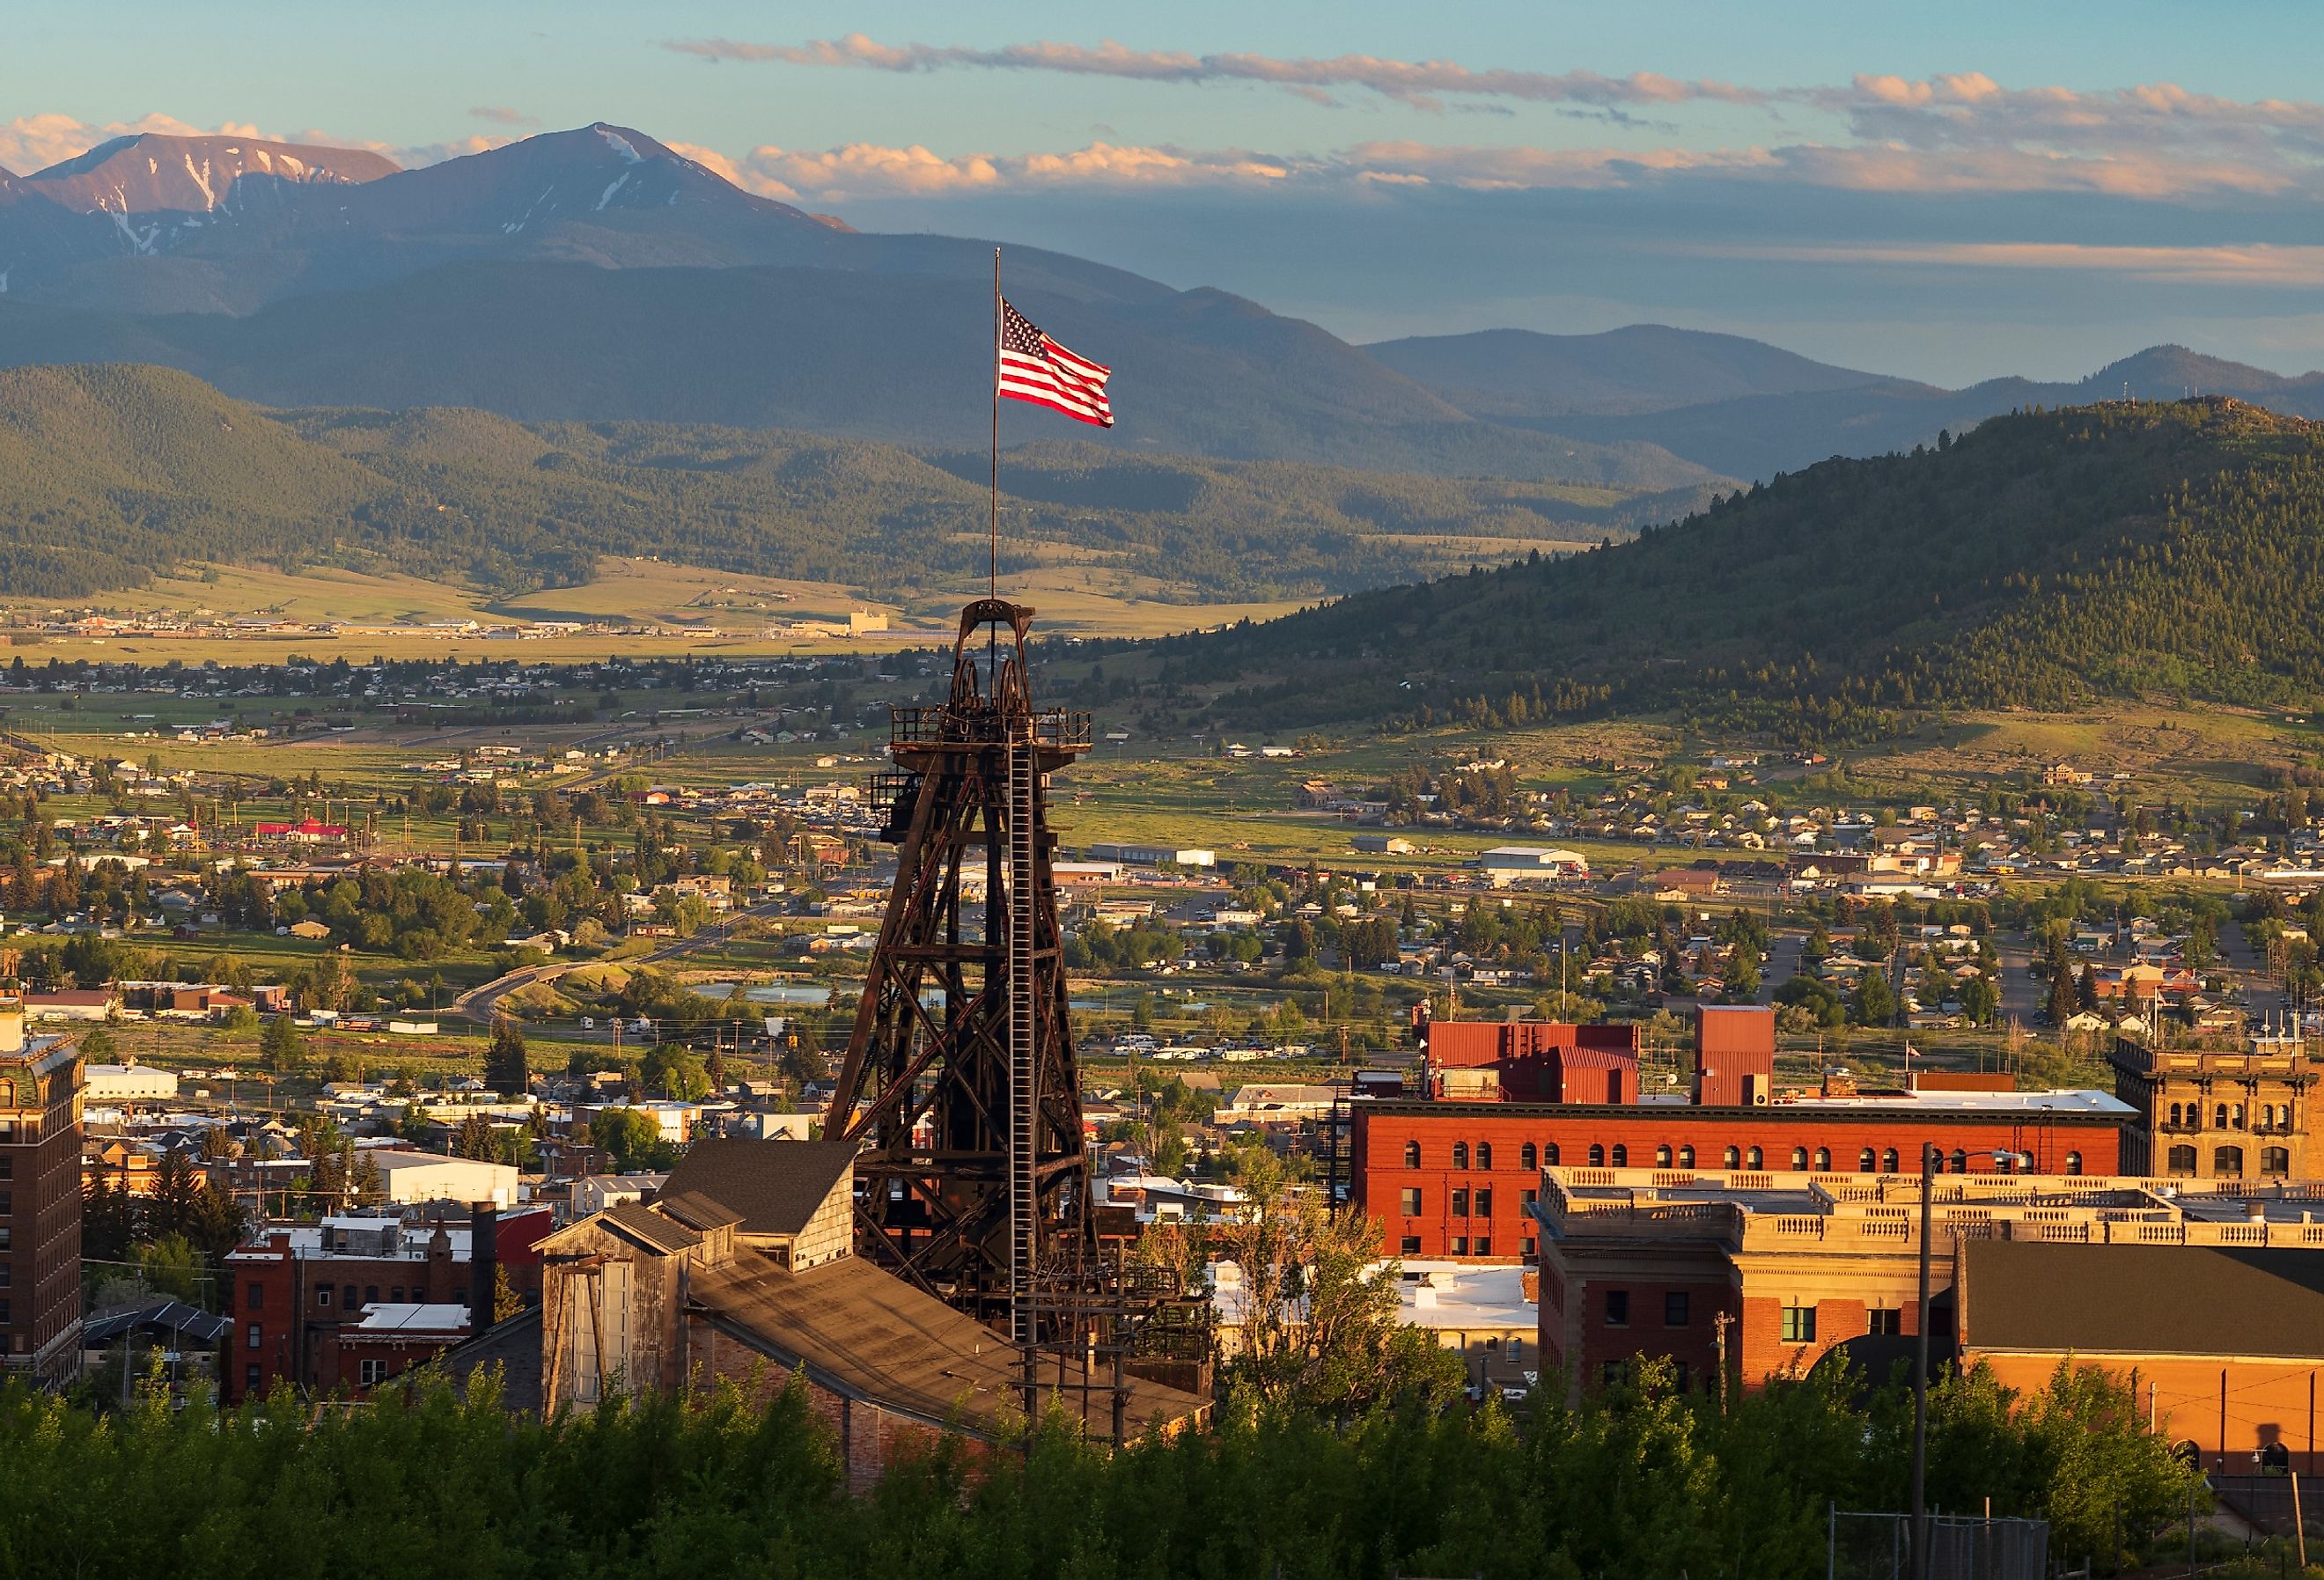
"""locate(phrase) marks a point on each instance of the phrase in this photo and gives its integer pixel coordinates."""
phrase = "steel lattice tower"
(960, 1084)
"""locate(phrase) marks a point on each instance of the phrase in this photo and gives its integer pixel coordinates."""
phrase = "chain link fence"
(1879, 1547)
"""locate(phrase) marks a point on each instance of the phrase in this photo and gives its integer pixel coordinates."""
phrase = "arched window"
(1663, 1156)
(2174, 1115)
(1733, 1158)
(2073, 1162)
(2219, 1117)
(1412, 1154)
(1597, 1154)
(1529, 1157)
(2182, 1160)
(1485, 1155)
(2228, 1161)
(1686, 1156)
(2239, 1115)
(1866, 1160)
(1888, 1161)
(2276, 1160)
(1621, 1156)
(1460, 1154)
(1549, 1155)
(1800, 1158)
(1823, 1159)
(1961, 1161)
(1754, 1159)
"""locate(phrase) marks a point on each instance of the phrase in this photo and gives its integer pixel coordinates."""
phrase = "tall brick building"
(2211, 1115)
(40, 1199)
(1455, 1178)
(1765, 1274)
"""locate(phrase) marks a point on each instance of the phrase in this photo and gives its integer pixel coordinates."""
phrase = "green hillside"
(112, 474)
(2044, 559)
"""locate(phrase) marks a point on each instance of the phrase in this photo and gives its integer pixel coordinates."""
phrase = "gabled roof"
(773, 1187)
(641, 1223)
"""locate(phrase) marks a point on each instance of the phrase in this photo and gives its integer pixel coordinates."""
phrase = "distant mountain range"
(597, 274)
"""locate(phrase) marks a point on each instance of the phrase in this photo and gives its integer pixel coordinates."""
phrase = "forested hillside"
(112, 474)
(2045, 559)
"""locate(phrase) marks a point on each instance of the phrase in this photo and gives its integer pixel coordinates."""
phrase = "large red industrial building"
(1454, 1174)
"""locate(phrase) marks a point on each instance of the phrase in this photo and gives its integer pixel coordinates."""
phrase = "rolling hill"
(2041, 560)
(111, 474)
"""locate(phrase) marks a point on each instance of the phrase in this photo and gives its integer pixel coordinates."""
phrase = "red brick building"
(1532, 1061)
(298, 1289)
(1456, 1179)
(39, 1200)
(1763, 1275)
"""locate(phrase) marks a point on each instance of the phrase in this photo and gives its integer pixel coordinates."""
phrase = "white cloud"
(34, 142)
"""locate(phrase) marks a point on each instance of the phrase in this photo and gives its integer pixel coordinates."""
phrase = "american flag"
(1036, 368)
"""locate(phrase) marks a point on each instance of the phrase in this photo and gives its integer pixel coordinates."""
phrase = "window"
(1663, 1156)
(1754, 1159)
(1484, 1246)
(1621, 1156)
(323, 1295)
(7, 1203)
(1412, 1154)
(1485, 1155)
(4, 1275)
(1885, 1319)
(1823, 1159)
(2073, 1162)
(371, 1294)
(1460, 1154)
(1678, 1375)
(2182, 1160)
(2176, 1119)
(372, 1373)
(1888, 1161)
(1409, 1246)
(1597, 1156)
(251, 1375)
(396, 1294)
(1457, 1246)
(1866, 1160)
(1961, 1161)
(1674, 1308)
(2227, 1161)
(2276, 1160)
(1549, 1155)
(1528, 1156)
(1525, 1248)
(1485, 1202)
(1411, 1202)
(256, 1297)
(1799, 1324)
(4, 1313)
(257, 1337)
(1528, 1199)
(1686, 1156)
(2219, 1117)
(1732, 1158)
(347, 1296)
(2238, 1112)
(1617, 1308)
(1799, 1159)
(1461, 1204)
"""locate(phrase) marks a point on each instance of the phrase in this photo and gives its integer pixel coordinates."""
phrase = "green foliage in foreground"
(1636, 1481)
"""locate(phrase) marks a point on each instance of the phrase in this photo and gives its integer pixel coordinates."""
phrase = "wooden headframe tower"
(959, 1083)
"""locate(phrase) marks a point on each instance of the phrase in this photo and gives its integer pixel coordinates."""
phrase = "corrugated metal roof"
(2143, 1300)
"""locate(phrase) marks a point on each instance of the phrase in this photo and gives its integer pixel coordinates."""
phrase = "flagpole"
(993, 517)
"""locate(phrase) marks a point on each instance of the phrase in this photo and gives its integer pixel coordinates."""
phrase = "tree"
(1320, 1328)
(1742, 976)
(281, 1048)
(675, 1071)
(505, 1068)
(1874, 1001)
(631, 1139)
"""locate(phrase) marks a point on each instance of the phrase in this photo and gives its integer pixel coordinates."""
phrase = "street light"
(1931, 1162)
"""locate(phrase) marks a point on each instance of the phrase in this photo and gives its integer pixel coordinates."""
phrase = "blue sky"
(1946, 192)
